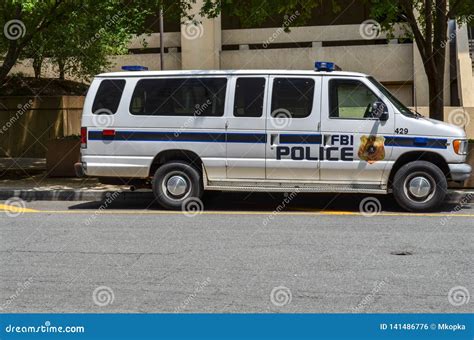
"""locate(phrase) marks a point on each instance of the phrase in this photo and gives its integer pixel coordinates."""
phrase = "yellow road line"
(14, 209)
(292, 213)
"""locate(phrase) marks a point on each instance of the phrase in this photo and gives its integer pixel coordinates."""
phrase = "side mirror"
(379, 111)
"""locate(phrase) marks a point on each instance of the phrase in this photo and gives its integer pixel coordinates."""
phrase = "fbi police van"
(184, 132)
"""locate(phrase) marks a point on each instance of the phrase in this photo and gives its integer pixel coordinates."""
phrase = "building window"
(248, 100)
(108, 96)
(179, 97)
(292, 97)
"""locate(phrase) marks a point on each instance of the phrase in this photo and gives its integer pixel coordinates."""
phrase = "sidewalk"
(41, 188)
(26, 178)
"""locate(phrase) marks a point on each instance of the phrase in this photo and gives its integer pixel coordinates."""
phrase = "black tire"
(419, 171)
(183, 171)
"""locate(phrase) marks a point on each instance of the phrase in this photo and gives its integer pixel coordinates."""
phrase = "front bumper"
(460, 172)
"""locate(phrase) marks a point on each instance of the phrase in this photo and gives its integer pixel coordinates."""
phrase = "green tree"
(21, 22)
(78, 35)
(428, 25)
(427, 21)
(87, 41)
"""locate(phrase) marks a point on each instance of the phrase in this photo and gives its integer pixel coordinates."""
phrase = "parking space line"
(15, 209)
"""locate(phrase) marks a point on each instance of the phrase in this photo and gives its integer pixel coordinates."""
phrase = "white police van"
(183, 132)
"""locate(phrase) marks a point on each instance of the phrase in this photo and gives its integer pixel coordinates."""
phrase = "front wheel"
(419, 186)
(175, 184)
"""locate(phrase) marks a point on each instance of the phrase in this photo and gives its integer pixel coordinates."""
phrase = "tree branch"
(407, 7)
(429, 24)
(453, 6)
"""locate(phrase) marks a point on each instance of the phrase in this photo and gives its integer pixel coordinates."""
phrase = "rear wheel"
(419, 186)
(177, 183)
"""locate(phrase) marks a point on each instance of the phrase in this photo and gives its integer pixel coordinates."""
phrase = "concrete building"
(349, 37)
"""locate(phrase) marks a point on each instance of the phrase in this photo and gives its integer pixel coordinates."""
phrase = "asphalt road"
(316, 253)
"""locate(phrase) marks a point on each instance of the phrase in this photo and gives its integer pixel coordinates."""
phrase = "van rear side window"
(248, 100)
(179, 97)
(293, 97)
(108, 96)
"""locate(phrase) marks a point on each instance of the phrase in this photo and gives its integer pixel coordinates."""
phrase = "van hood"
(433, 127)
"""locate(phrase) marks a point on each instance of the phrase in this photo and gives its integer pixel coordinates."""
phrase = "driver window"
(350, 99)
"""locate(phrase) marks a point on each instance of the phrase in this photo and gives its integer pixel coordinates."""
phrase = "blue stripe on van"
(177, 136)
(416, 142)
(259, 138)
(300, 139)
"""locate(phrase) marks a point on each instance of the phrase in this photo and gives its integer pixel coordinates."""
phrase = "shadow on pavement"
(302, 202)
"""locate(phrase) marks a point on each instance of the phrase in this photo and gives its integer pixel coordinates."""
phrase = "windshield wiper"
(416, 114)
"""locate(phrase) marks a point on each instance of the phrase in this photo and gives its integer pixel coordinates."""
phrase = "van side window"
(350, 99)
(248, 100)
(292, 97)
(108, 96)
(179, 97)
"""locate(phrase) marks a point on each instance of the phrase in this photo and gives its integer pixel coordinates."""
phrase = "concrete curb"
(71, 195)
(454, 196)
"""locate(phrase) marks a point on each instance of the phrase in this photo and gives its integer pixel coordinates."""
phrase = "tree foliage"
(77, 36)
(427, 21)
(428, 26)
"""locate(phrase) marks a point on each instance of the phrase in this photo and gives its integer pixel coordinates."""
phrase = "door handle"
(327, 139)
(273, 139)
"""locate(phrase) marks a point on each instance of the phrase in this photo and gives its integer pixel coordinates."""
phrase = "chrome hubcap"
(177, 185)
(419, 187)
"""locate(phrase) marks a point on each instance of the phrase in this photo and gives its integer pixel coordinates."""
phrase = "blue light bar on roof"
(134, 68)
(326, 66)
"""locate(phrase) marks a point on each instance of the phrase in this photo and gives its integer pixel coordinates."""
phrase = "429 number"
(401, 131)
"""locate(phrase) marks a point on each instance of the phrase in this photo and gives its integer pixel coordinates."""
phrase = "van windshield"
(400, 107)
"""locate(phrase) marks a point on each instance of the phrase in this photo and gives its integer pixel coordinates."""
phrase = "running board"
(298, 187)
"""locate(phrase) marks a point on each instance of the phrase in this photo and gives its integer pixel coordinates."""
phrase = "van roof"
(225, 72)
